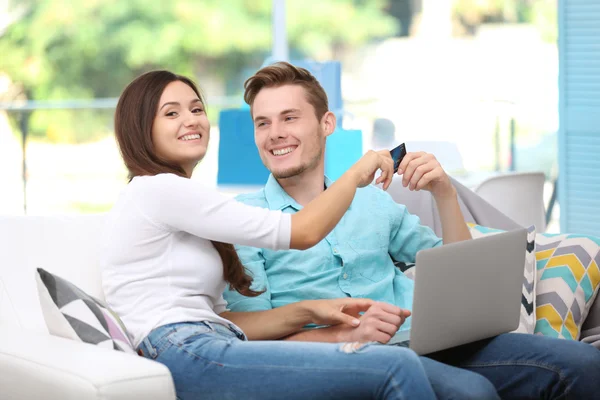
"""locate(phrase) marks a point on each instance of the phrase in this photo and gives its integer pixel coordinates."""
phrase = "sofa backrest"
(67, 246)
(474, 208)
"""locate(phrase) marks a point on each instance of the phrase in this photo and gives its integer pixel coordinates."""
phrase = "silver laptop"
(466, 291)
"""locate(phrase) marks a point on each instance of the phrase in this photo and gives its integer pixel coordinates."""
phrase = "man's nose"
(277, 131)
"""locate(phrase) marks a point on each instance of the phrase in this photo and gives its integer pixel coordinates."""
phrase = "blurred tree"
(542, 13)
(62, 49)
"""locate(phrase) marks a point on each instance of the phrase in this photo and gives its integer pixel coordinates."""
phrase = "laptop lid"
(467, 291)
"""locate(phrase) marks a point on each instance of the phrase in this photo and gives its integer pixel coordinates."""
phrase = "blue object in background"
(329, 75)
(344, 148)
(239, 162)
(579, 116)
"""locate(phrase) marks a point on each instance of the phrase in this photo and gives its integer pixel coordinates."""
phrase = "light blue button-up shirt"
(354, 260)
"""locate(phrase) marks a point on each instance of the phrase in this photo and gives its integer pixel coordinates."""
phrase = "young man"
(292, 121)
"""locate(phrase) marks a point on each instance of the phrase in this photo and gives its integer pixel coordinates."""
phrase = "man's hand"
(423, 171)
(378, 324)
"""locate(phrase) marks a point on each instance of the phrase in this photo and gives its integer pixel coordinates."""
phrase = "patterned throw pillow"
(568, 282)
(71, 313)
(527, 321)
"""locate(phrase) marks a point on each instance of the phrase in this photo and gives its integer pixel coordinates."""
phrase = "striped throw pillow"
(568, 282)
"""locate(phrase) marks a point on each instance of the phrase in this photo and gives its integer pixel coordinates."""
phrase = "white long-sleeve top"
(158, 264)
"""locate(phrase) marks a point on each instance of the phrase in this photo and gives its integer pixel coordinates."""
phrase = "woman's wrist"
(305, 312)
(353, 175)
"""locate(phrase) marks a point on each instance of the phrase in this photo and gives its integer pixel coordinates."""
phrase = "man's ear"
(328, 123)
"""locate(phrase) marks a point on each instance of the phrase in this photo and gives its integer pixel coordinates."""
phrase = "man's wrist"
(448, 194)
(341, 333)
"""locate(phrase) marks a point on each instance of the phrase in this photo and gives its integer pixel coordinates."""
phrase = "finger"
(382, 337)
(385, 154)
(426, 179)
(387, 328)
(390, 308)
(356, 305)
(381, 177)
(407, 159)
(389, 165)
(410, 169)
(420, 171)
(343, 318)
(383, 316)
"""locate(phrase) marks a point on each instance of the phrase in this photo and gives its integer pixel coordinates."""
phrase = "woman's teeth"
(190, 137)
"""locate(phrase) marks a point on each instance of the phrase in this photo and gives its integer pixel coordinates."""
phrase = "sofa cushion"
(8, 315)
(71, 313)
(568, 281)
(66, 245)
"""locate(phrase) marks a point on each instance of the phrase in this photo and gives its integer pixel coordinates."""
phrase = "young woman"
(168, 257)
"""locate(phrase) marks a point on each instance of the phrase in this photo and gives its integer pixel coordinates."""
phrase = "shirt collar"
(278, 199)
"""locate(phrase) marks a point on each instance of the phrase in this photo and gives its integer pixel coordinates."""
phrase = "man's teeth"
(281, 152)
(190, 137)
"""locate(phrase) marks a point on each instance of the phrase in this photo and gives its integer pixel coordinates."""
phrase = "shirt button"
(335, 250)
(345, 276)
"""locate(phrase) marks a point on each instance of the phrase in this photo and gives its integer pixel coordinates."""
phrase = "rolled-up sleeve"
(408, 236)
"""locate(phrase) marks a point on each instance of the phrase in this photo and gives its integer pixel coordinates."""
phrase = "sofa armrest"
(38, 366)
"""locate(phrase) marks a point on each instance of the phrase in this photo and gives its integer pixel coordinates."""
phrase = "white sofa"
(36, 365)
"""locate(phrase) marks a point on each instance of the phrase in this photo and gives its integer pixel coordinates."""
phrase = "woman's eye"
(197, 110)
(171, 114)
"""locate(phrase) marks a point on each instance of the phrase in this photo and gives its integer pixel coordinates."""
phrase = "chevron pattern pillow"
(568, 281)
(528, 317)
(71, 313)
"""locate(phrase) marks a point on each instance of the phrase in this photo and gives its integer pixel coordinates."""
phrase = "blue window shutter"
(579, 111)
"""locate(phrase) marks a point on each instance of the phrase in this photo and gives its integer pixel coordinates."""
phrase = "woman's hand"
(369, 163)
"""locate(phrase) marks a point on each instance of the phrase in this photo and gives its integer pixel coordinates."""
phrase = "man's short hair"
(283, 73)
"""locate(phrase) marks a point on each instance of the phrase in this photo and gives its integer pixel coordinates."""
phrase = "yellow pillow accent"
(571, 261)
(550, 314)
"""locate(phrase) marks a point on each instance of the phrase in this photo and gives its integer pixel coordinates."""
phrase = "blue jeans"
(212, 361)
(523, 366)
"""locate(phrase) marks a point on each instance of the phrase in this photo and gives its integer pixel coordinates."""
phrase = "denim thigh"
(531, 366)
(211, 361)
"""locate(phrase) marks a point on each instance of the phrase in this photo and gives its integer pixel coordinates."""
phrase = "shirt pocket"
(373, 257)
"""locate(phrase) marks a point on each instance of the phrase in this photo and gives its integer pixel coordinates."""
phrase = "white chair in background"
(520, 196)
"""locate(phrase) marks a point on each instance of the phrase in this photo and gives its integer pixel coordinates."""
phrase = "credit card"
(398, 154)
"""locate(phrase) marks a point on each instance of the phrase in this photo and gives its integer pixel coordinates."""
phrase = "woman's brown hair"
(134, 116)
